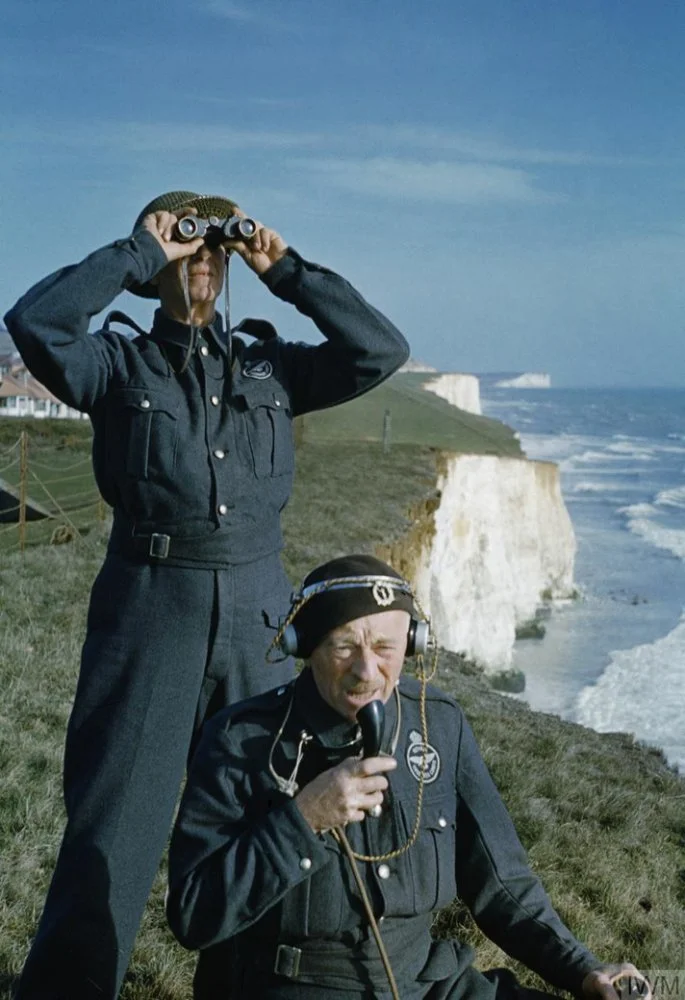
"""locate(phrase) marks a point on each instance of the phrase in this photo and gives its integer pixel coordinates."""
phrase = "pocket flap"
(145, 400)
(439, 815)
(274, 397)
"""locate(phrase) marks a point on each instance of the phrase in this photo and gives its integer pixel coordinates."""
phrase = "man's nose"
(366, 664)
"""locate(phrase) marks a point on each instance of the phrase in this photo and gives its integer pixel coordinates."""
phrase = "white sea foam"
(637, 510)
(642, 691)
(632, 450)
(641, 522)
(586, 487)
(670, 539)
(672, 498)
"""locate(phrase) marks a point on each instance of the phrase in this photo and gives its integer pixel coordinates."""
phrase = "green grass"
(602, 818)
(59, 479)
(417, 417)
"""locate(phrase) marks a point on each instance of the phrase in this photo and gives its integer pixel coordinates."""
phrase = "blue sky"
(504, 178)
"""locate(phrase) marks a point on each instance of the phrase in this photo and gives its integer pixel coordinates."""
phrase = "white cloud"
(259, 14)
(139, 137)
(485, 148)
(456, 183)
(234, 11)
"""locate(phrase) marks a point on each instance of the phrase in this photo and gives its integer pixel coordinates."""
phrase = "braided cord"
(341, 838)
(192, 340)
(424, 760)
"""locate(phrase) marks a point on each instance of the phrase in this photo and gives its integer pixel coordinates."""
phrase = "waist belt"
(208, 549)
(332, 962)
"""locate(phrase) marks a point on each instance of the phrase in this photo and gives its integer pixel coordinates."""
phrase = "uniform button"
(222, 508)
(214, 400)
(278, 402)
(204, 351)
(442, 822)
(381, 919)
(383, 871)
(218, 453)
(305, 864)
(145, 403)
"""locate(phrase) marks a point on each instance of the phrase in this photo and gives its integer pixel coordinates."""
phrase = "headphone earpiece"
(418, 637)
(289, 641)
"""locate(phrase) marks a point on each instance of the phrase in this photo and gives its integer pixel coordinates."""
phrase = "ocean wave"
(640, 523)
(592, 456)
(642, 691)
(672, 498)
(633, 450)
(591, 487)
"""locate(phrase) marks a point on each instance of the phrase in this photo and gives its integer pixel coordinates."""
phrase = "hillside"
(602, 817)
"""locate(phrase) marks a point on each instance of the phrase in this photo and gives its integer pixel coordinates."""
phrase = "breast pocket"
(268, 425)
(432, 857)
(142, 433)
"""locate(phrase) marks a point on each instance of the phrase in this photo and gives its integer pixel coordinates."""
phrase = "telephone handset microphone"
(371, 719)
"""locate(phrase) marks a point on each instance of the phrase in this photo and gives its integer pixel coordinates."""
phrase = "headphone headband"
(348, 582)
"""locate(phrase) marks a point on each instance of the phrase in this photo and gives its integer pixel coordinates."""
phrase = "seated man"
(261, 878)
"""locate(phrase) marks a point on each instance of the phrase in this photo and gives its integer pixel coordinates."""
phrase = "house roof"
(21, 383)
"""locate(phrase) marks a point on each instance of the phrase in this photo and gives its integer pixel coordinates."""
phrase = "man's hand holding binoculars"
(261, 250)
(182, 234)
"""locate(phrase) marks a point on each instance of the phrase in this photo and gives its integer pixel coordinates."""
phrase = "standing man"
(298, 841)
(193, 450)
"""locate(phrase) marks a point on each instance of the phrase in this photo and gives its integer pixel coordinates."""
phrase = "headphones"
(419, 639)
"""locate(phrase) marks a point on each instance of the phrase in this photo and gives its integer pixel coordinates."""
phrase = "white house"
(21, 395)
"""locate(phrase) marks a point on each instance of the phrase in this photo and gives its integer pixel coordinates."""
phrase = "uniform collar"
(171, 331)
(329, 728)
(326, 725)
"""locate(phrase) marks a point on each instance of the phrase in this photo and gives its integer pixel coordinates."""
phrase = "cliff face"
(484, 554)
(459, 390)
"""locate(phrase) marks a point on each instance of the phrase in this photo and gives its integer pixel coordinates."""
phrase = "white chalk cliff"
(482, 559)
(526, 380)
(459, 390)
(502, 542)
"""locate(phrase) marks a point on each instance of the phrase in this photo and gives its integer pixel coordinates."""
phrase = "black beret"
(366, 586)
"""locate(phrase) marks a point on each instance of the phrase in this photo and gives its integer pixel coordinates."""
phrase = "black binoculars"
(214, 230)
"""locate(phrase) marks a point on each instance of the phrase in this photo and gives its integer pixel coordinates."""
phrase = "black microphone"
(371, 719)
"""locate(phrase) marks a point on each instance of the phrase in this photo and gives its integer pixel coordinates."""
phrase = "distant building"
(21, 395)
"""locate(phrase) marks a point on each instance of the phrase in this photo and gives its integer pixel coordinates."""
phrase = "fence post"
(23, 476)
(298, 431)
(386, 432)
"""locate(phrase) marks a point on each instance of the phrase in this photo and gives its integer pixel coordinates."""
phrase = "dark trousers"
(165, 648)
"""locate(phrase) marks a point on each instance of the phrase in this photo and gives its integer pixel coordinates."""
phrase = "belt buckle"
(159, 545)
(287, 961)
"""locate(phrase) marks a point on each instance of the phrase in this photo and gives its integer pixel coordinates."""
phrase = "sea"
(614, 658)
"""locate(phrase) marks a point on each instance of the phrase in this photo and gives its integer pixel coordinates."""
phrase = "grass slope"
(603, 818)
(417, 417)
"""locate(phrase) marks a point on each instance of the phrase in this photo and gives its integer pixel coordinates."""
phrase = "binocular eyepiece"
(214, 230)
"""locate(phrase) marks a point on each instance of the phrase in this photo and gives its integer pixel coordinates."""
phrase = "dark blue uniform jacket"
(245, 863)
(208, 452)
